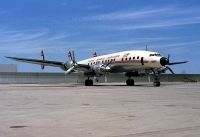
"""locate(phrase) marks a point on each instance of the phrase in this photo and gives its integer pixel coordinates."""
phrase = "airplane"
(131, 63)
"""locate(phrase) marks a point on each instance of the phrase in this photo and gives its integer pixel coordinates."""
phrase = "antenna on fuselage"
(94, 54)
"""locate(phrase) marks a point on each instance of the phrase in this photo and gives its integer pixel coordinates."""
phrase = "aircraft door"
(142, 60)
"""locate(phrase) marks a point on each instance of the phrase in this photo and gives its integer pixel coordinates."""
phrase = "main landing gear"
(88, 82)
(156, 83)
(130, 82)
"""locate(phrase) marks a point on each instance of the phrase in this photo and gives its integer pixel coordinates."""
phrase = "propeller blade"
(73, 56)
(42, 56)
(69, 70)
(174, 63)
(170, 70)
(168, 56)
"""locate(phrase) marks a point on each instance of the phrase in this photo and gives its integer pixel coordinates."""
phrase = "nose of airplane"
(164, 61)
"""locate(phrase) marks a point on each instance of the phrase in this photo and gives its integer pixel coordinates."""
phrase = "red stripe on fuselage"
(153, 61)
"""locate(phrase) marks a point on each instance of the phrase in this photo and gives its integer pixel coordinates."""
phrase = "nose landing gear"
(156, 82)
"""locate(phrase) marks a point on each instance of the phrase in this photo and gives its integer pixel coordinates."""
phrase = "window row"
(113, 60)
(130, 58)
(103, 61)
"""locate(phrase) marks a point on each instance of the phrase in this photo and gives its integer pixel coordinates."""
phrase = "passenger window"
(129, 58)
(133, 57)
(126, 58)
(122, 59)
(138, 57)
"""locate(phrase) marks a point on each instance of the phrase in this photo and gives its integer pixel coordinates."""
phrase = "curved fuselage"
(127, 60)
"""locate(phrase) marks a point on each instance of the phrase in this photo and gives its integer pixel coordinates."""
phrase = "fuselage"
(127, 60)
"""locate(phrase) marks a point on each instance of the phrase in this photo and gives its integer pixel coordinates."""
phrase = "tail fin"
(94, 54)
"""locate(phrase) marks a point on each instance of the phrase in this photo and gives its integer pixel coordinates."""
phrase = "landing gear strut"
(156, 82)
(88, 82)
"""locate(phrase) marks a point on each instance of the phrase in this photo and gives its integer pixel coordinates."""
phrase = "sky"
(102, 26)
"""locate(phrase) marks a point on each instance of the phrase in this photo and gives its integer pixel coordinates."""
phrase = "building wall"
(47, 78)
(8, 68)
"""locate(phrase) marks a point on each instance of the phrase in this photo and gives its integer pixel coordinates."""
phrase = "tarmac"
(104, 110)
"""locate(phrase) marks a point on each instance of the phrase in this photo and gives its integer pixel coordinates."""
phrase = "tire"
(130, 82)
(88, 82)
(156, 84)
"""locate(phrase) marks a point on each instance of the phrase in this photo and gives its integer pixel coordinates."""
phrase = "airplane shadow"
(44, 86)
(117, 85)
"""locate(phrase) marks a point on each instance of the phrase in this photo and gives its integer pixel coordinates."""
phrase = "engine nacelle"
(100, 69)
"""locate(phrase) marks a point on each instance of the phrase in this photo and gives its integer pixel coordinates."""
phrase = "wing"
(77, 67)
(38, 62)
(82, 67)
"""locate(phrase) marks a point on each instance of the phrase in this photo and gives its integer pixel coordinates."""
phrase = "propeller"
(165, 62)
(168, 57)
(42, 57)
(69, 70)
(168, 68)
(73, 62)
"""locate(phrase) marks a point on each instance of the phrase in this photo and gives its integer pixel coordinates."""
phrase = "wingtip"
(8, 57)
